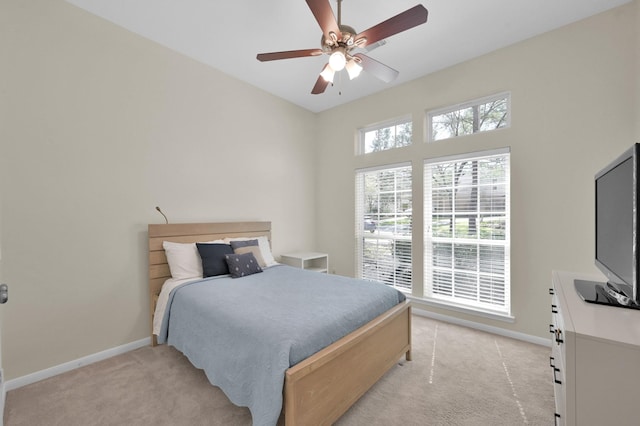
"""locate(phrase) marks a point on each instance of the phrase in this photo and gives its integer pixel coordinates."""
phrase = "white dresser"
(595, 358)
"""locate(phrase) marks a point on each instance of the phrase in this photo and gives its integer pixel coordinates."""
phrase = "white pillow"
(184, 260)
(263, 243)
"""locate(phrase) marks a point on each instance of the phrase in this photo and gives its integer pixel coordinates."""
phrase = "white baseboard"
(16, 383)
(483, 327)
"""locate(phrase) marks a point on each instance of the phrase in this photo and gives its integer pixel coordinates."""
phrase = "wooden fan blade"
(323, 13)
(273, 56)
(406, 20)
(378, 69)
(321, 84)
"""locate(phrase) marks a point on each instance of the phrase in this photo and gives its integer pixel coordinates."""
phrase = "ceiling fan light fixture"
(361, 41)
(330, 41)
(353, 68)
(338, 42)
(337, 60)
(327, 73)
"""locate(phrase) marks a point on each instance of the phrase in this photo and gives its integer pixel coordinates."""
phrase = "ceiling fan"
(339, 41)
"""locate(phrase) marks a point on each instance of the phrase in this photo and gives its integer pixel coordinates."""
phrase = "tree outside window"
(477, 116)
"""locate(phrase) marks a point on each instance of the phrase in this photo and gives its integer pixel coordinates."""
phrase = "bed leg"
(407, 355)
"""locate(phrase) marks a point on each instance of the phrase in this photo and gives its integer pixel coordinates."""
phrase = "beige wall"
(98, 127)
(572, 110)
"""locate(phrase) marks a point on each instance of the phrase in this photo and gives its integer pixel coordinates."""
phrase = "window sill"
(463, 309)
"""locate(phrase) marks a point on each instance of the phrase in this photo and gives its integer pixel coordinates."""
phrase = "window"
(466, 259)
(393, 134)
(383, 225)
(476, 116)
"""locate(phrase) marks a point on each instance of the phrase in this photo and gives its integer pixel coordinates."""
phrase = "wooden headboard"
(190, 233)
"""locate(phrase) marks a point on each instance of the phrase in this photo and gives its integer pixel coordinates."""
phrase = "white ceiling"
(228, 35)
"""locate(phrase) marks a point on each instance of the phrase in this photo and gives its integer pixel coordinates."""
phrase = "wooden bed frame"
(320, 389)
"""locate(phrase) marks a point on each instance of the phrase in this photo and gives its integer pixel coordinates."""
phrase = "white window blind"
(467, 231)
(383, 225)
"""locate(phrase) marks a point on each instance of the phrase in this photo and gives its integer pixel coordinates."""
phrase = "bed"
(321, 387)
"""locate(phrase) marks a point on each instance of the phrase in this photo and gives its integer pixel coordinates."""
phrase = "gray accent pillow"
(242, 265)
(252, 249)
(242, 243)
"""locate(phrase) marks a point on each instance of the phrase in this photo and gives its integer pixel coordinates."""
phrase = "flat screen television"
(617, 222)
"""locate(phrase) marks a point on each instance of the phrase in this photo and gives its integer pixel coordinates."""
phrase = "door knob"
(4, 293)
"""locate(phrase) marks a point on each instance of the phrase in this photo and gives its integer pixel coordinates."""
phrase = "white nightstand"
(312, 261)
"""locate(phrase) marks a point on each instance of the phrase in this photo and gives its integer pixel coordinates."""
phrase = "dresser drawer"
(557, 360)
(556, 328)
(559, 389)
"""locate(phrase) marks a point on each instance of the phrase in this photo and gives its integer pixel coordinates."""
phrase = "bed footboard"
(321, 388)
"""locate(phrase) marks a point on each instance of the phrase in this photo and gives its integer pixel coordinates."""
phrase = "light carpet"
(458, 376)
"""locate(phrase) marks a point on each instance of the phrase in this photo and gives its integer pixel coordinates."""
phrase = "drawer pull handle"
(551, 329)
(555, 379)
(555, 418)
(559, 337)
(551, 362)
(554, 309)
(551, 291)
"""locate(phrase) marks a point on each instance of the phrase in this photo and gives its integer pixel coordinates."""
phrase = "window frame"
(361, 143)
(361, 234)
(461, 106)
(451, 300)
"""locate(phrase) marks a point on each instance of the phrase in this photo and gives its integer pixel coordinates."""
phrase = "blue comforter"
(245, 332)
